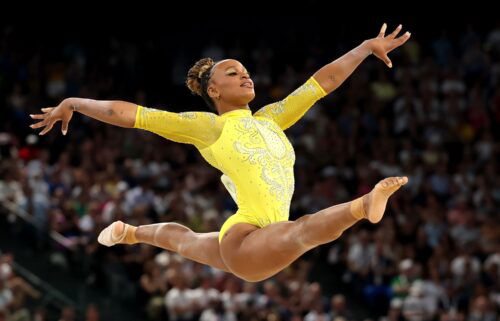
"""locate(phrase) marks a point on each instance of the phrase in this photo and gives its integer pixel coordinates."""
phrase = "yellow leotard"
(251, 151)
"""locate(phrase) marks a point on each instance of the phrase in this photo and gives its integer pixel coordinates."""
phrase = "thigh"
(255, 254)
(204, 248)
(233, 220)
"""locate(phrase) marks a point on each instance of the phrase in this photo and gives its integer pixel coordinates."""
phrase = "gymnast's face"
(231, 82)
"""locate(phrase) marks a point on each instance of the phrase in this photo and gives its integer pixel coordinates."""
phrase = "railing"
(52, 297)
(51, 294)
(13, 208)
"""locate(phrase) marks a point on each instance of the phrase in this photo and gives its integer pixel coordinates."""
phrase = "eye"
(234, 73)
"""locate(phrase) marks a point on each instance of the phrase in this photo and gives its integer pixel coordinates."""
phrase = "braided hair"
(197, 80)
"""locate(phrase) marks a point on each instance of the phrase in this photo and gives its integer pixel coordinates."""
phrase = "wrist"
(367, 47)
(69, 103)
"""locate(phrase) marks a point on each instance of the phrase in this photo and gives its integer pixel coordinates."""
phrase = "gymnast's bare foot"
(116, 233)
(376, 201)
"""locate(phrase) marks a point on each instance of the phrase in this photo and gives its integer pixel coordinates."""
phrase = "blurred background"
(433, 117)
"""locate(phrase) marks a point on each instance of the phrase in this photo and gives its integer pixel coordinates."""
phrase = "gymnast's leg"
(255, 254)
(199, 247)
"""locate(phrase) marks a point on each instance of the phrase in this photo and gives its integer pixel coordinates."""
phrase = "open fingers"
(40, 124)
(64, 127)
(47, 109)
(38, 116)
(387, 61)
(395, 32)
(48, 127)
(401, 40)
(382, 30)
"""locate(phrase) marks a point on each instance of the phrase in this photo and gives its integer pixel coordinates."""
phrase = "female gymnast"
(256, 160)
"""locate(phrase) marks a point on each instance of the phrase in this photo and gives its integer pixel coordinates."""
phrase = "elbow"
(128, 124)
(328, 82)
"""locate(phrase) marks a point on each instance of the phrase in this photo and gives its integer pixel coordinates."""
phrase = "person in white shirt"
(202, 295)
(178, 299)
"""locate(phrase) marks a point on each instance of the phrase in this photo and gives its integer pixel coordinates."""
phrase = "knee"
(309, 236)
(303, 232)
(186, 245)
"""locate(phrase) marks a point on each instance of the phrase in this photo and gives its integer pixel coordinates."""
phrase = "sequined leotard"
(251, 151)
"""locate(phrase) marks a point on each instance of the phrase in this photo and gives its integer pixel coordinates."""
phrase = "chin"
(250, 97)
(247, 101)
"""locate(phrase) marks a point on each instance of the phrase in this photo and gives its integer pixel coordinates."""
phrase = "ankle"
(366, 203)
(358, 207)
(130, 237)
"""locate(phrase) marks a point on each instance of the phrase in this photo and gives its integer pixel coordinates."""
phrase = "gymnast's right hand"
(51, 115)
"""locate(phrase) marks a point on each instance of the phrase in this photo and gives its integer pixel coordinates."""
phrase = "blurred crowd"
(434, 117)
(15, 291)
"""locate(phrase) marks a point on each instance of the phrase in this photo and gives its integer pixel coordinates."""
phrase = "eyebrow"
(235, 67)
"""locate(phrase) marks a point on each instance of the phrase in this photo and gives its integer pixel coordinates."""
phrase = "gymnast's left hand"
(382, 44)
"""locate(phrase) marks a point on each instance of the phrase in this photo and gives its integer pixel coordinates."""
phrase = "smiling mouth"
(247, 86)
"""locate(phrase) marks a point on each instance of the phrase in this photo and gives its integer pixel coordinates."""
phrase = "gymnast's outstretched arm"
(289, 110)
(194, 127)
(114, 112)
(332, 75)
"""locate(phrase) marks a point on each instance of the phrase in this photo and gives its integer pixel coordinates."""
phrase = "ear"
(212, 91)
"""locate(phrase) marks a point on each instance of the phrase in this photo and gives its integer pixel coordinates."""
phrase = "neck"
(225, 109)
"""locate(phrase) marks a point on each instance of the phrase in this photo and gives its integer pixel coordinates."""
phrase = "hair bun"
(195, 74)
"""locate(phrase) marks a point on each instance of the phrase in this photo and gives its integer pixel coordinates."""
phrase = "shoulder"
(264, 114)
(198, 114)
